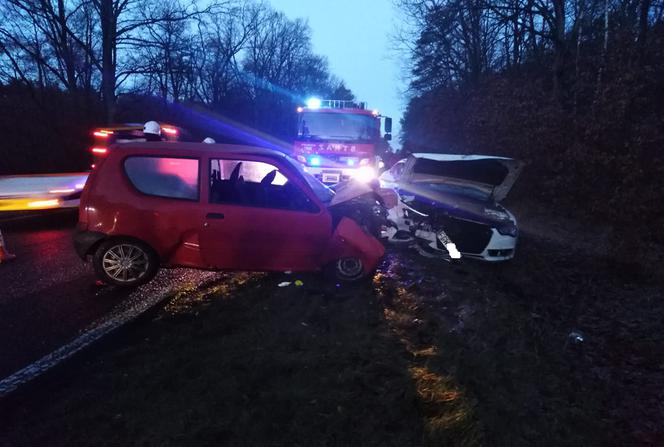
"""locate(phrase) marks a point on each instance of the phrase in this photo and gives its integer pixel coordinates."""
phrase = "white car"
(457, 196)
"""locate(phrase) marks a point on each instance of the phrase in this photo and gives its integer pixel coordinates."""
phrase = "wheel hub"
(349, 267)
(125, 262)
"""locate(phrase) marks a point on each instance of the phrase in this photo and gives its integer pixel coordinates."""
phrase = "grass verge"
(425, 354)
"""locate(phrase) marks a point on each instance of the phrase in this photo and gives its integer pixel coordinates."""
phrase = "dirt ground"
(426, 353)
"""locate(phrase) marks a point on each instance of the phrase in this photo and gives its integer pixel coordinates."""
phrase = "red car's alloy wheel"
(125, 262)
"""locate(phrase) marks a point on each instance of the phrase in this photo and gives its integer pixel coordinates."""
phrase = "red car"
(217, 207)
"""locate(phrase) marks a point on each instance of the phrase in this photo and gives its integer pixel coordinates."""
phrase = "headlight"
(508, 229)
(364, 174)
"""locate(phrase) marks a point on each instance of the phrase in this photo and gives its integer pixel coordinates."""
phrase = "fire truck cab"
(338, 140)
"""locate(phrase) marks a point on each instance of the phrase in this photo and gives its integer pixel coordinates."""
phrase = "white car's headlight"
(508, 229)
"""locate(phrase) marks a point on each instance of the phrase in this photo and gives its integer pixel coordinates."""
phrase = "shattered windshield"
(339, 126)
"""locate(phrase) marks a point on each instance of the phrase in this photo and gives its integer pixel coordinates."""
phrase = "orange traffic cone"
(4, 254)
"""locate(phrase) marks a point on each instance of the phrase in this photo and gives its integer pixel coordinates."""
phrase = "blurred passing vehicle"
(41, 192)
(456, 197)
(218, 207)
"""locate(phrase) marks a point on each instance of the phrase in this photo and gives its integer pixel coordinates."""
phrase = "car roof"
(179, 147)
(456, 157)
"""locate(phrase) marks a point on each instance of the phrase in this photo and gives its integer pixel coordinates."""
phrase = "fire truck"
(339, 140)
(104, 137)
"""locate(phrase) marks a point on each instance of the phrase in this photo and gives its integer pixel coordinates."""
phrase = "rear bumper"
(85, 240)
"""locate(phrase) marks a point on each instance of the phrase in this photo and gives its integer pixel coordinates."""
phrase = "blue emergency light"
(314, 161)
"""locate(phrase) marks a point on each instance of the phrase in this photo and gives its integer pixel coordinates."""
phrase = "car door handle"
(214, 216)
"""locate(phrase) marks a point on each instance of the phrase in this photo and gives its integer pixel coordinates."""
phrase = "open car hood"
(493, 177)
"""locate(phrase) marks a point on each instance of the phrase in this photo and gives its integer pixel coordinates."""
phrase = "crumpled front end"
(350, 240)
(367, 204)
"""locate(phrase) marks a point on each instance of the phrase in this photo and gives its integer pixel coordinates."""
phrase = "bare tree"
(55, 35)
(220, 42)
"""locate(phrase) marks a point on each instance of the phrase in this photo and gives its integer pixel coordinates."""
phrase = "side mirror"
(388, 124)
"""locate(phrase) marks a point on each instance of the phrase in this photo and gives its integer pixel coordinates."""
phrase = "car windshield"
(339, 126)
(323, 193)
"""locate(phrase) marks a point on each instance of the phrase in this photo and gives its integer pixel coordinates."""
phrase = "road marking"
(138, 302)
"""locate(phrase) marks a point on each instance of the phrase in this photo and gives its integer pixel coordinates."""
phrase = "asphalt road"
(48, 295)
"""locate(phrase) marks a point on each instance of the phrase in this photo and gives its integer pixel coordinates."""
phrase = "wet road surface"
(48, 295)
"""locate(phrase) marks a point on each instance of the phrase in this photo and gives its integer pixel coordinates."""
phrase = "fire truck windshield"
(338, 126)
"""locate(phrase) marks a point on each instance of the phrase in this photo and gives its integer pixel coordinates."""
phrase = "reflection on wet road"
(48, 295)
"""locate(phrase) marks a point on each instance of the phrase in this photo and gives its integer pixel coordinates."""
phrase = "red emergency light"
(99, 150)
(169, 130)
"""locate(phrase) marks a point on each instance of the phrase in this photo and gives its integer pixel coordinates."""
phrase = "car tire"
(125, 262)
(347, 269)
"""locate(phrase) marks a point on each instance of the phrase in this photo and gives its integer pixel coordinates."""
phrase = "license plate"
(330, 177)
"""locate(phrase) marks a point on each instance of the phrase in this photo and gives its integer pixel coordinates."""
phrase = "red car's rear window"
(170, 177)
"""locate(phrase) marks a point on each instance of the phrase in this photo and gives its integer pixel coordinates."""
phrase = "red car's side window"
(256, 184)
(170, 177)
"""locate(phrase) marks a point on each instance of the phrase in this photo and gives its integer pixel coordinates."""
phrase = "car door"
(260, 216)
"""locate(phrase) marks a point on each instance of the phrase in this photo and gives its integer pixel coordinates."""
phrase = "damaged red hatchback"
(217, 207)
